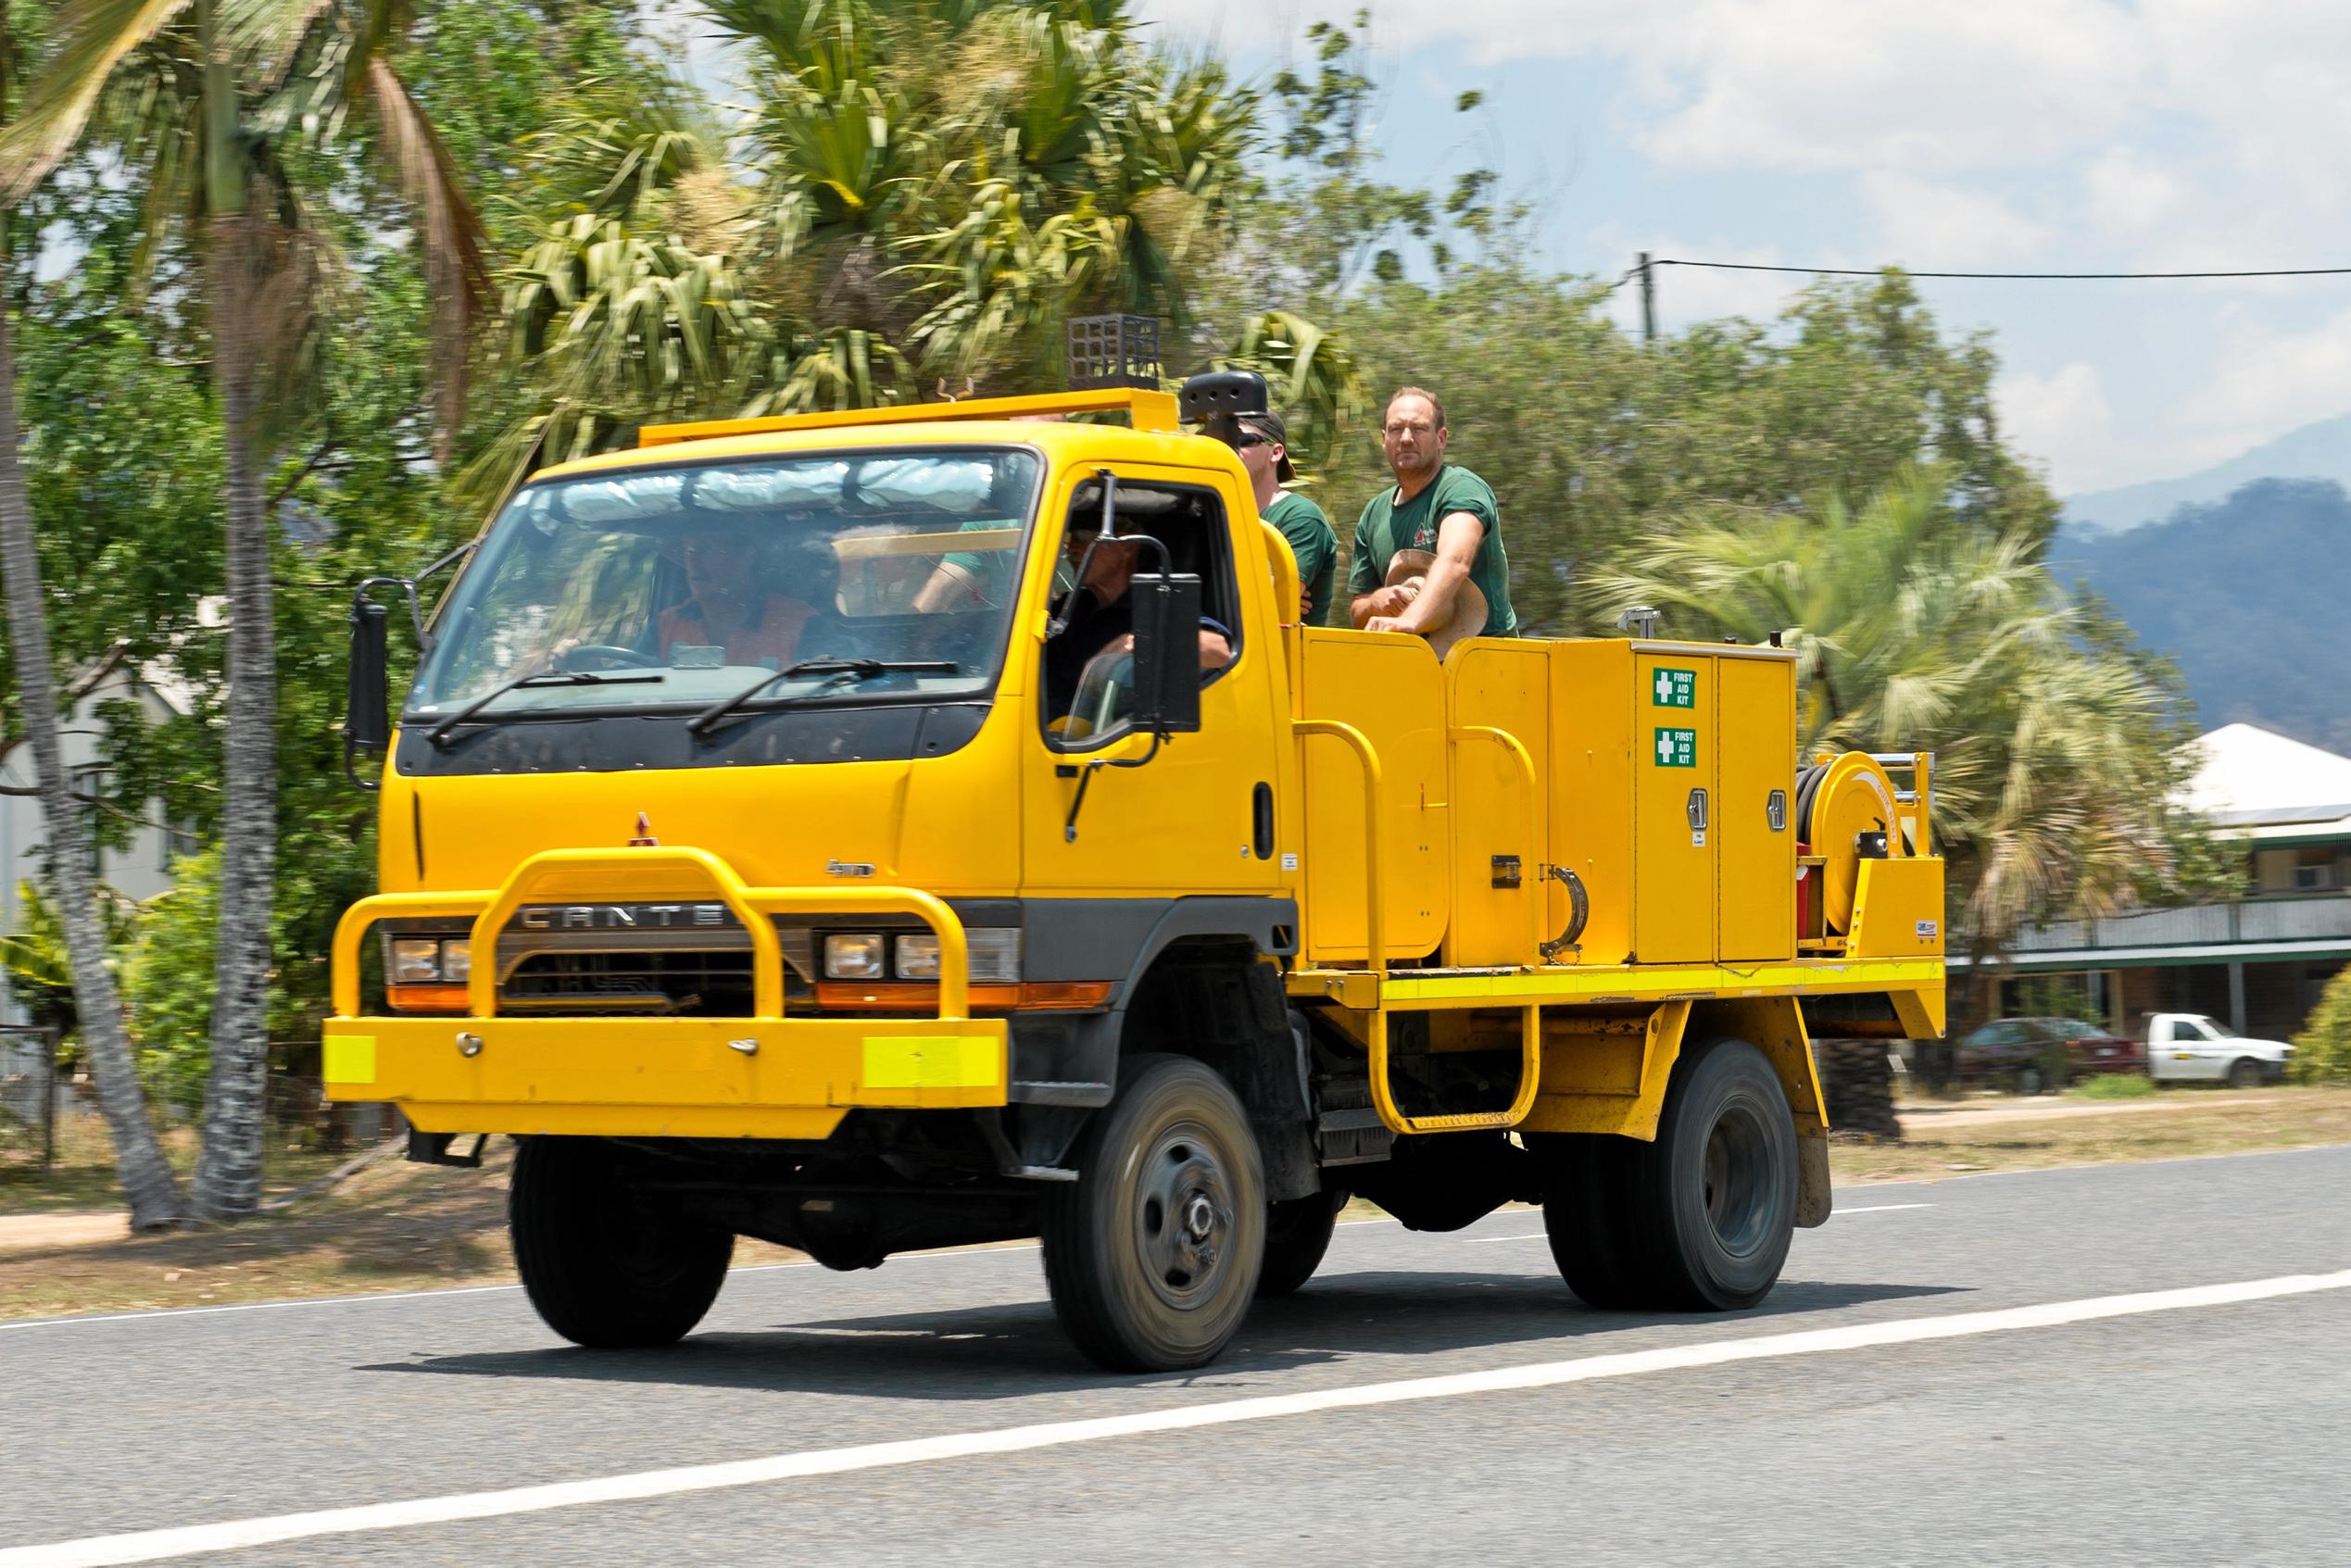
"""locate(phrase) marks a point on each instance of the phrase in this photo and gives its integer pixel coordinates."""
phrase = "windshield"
(2216, 1030)
(679, 586)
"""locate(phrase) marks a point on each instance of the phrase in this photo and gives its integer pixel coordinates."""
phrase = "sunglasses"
(1250, 438)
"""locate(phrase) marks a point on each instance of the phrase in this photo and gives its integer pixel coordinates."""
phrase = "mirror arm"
(1086, 776)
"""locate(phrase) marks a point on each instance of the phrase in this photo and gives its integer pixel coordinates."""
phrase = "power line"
(2056, 277)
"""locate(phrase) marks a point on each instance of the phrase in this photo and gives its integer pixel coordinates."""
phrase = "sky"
(2027, 135)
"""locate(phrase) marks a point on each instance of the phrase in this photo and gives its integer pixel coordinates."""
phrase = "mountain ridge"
(2318, 450)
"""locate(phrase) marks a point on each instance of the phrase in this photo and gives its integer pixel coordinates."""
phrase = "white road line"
(1878, 1209)
(1530, 1235)
(152, 1546)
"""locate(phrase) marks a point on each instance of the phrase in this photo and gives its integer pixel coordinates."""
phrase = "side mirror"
(368, 715)
(1167, 608)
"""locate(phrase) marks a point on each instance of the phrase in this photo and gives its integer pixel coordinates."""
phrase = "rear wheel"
(1587, 1199)
(605, 1266)
(1298, 1232)
(1715, 1196)
(1152, 1254)
(2244, 1074)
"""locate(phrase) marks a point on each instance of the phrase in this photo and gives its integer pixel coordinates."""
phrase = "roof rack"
(1148, 410)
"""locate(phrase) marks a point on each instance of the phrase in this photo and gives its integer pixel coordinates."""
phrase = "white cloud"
(2128, 193)
(2062, 418)
(1925, 224)
(2267, 382)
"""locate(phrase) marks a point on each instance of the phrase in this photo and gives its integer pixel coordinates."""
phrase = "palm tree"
(196, 100)
(148, 1184)
(933, 187)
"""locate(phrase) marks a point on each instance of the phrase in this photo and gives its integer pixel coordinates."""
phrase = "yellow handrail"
(489, 911)
(1148, 410)
(1375, 937)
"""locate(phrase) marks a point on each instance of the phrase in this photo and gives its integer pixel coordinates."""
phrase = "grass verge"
(2187, 1123)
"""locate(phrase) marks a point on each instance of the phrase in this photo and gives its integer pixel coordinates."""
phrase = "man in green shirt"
(1264, 452)
(1445, 512)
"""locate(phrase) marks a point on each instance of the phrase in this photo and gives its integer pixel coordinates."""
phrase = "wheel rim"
(1184, 1216)
(1736, 1180)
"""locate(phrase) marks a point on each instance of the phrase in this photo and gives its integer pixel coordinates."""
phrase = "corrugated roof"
(2251, 775)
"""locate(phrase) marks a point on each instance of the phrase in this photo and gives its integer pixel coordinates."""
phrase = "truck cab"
(914, 827)
(2195, 1047)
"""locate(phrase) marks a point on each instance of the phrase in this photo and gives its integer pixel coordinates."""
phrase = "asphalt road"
(1965, 1390)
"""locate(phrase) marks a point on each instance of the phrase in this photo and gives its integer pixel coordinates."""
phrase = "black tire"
(2031, 1080)
(605, 1266)
(1715, 1196)
(1152, 1255)
(1298, 1232)
(2244, 1074)
(1587, 1215)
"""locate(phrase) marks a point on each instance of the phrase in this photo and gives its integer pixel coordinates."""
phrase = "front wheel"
(1152, 1255)
(2031, 1081)
(605, 1266)
(2244, 1074)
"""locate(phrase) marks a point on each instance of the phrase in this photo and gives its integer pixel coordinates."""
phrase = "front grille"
(686, 984)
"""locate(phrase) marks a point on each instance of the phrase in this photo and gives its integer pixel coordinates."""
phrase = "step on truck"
(749, 855)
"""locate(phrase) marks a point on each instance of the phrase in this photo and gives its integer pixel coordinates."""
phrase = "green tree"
(930, 189)
(2322, 1051)
(148, 1184)
(201, 105)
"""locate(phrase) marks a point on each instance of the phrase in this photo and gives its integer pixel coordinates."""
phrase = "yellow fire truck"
(756, 851)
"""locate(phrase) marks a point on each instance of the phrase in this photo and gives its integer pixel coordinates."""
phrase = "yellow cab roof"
(1157, 439)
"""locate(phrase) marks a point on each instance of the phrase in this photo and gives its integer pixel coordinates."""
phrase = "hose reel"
(1846, 813)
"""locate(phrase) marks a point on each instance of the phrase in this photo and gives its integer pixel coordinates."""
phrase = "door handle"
(1697, 810)
(1262, 815)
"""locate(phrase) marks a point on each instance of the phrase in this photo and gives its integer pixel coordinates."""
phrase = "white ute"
(2189, 1046)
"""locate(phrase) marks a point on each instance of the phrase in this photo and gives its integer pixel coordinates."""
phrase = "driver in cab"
(1101, 618)
(727, 608)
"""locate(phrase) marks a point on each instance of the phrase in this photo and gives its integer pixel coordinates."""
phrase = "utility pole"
(1648, 301)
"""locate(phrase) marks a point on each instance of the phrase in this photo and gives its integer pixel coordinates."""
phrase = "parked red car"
(2039, 1054)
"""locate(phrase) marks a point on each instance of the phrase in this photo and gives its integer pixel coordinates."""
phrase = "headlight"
(917, 957)
(416, 960)
(995, 951)
(855, 956)
(457, 959)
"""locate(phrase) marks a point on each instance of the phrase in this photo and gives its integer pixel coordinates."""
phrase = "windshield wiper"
(842, 670)
(439, 736)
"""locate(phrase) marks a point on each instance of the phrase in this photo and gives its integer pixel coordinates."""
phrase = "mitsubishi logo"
(644, 839)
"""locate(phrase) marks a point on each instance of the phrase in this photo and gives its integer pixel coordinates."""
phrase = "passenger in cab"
(1429, 553)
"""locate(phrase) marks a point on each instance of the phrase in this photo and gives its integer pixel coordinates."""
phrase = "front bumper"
(766, 1076)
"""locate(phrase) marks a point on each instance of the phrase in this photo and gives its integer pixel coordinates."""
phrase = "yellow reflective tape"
(350, 1059)
(928, 1062)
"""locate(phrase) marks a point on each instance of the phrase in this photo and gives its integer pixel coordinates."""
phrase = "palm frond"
(94, 38)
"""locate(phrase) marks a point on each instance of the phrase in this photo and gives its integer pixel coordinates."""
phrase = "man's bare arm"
(1379, 601)
(1458, 537)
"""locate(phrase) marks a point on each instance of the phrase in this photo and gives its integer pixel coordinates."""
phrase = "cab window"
(1087, 697)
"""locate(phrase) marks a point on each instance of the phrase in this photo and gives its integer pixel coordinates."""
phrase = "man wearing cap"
(1263, 443)
(1429, 553)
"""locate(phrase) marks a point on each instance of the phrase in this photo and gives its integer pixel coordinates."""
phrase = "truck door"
(1197, 816)
(2169, 1055)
